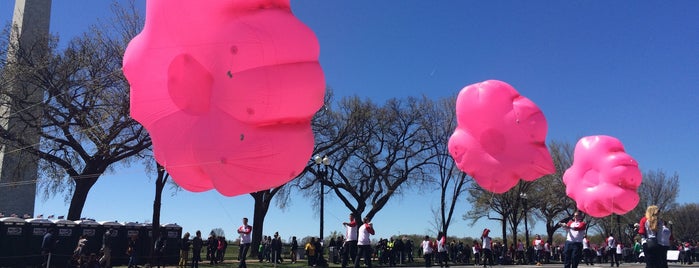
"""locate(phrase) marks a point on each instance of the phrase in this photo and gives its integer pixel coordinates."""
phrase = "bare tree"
(683, 219)
(85, 124)
(376, 150)
(438, 119)
(497, 207)
(548, 196)
(659, 189)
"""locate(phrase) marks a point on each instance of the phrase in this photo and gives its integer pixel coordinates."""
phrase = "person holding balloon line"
(655, 238)
(245, 239)
(575, 232)
(487, 243)
(611, 248)
(364, 243)
(349, 247)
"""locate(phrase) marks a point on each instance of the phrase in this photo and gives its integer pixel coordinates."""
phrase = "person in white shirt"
(575, 230)
(587, 251)
(364, 243)
(538, 245)
(611, 250)
(619, 251)
(442, 250)
(487, 248)
(426, 246)
(349, 247)
(245, 239)
(656, 238)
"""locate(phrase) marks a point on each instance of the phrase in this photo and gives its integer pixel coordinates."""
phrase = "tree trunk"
(159, 185)
(77, 203)
(262, 202)
(504, 235)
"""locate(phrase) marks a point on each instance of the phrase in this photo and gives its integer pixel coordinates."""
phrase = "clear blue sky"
(628, 69)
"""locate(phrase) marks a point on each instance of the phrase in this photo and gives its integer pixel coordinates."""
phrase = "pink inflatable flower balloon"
(603, 178)
(500, 137)
(226, 90)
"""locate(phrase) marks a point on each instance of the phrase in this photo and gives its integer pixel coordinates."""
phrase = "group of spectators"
(270, 249)
(651, 248)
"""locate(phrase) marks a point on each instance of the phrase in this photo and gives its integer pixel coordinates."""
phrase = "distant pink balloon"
(603, 179)
(500, 137)
(226, 90)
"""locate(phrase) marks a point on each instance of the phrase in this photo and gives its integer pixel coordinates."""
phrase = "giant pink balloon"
(500, 137)
(603, 178)
(226, 90)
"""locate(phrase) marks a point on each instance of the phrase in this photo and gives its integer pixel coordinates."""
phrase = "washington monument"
(28, 42)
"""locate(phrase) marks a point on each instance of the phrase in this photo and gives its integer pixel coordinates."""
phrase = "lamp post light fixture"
(526, 227)
(322, 164)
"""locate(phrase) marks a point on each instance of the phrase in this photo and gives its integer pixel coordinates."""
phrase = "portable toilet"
(118, 241)
(36, 229)
(173, 234)
(104, 226)
(13, 242)
(67, 237)
(147, 239)
(89, 228)
(135, 229)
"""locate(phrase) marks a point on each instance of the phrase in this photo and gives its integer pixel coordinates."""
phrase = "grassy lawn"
(231, 260)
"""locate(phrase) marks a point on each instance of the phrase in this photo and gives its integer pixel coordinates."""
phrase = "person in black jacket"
(159, 250)
(197, 244)
(48, 244)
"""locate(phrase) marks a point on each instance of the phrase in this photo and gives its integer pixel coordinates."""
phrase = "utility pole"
(19, 169)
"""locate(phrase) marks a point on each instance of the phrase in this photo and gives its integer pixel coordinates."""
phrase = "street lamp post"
(322, 173)
(526, 227)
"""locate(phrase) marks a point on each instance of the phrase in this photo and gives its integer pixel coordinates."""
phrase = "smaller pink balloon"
(603, 179)
(500, 137)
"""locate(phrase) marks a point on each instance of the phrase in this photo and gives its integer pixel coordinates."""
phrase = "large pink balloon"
(500, 137)
(603, 178)
(226, 90)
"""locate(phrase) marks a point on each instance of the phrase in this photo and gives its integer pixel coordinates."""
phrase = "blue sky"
(628, 69)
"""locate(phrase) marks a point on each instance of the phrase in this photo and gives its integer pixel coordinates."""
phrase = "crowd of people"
(355, 245)
(651, 248)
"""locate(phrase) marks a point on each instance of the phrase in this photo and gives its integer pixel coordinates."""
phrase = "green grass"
(231, 260)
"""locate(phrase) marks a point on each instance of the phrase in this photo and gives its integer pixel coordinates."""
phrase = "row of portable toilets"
(20, 240)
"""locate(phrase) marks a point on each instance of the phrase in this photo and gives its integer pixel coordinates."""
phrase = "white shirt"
(351, 232)
(538, 244)
(611, 243)
(664, 238)
(586, 243)
(426, 247)
(244, 231)
(364, 235)
(486, 242)
(573, 235)
(441, 244)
